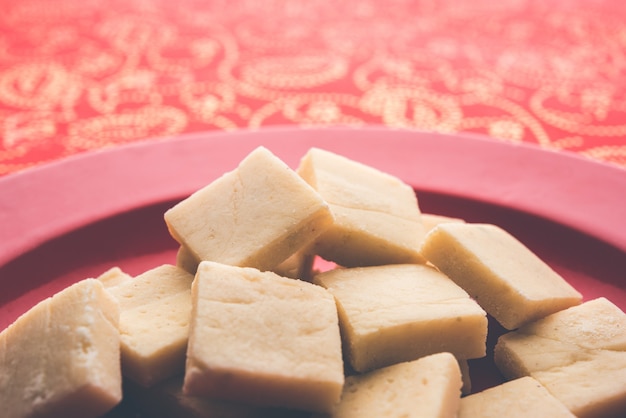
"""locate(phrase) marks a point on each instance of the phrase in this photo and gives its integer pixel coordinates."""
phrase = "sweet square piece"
(254, 216)
(62, 357)
(395, 313)
(377, 216)
(506, 278)
(263, 339)
(155, 308)
(429, 387)
(578, 354)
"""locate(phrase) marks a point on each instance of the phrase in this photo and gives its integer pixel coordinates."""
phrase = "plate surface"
(76, 218)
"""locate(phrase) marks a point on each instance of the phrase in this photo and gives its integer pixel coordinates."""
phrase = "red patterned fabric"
(80, 75)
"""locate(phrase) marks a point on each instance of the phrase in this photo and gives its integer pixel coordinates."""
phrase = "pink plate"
(73, 219)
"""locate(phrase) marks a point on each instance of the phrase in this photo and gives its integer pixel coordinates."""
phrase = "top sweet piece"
(377, 217)
(508, 280)
(62, 357)
(254, 216)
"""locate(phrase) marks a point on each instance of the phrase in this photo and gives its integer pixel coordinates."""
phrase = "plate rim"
(561, 187)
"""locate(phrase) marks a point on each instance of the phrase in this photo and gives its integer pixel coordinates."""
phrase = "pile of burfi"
(247, 321)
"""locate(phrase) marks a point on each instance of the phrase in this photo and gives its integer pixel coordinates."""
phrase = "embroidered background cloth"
(81, 75)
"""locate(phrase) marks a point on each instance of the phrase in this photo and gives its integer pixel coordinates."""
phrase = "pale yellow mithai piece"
(62, 357)
(508, 280)
(155, 309)
(395, 313)
(263, 339)
(520, 398)
(578, 354)
(254, 216)
(377, 217)
(429, 387)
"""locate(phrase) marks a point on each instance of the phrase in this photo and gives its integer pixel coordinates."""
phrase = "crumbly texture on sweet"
(62, 357)
(429, 387)
(578, 354)
(377, 219)
(390, 314)
(519, 398)
(154, 323)
(264, 339)
(508, 280)
(220, 222)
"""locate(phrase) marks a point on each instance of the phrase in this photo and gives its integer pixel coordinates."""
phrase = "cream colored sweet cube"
(395, 313)
(508, 280)
(257, 215)
(429, 387)
(155, 309)
(62, 357)
(578, 354)
(263, 339)
(519, 398)
(377, 216)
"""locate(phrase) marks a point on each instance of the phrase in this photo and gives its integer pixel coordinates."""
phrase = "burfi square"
(257, 215)
(578, 354)
(62, 357)
(155, 308)
(506, 278)
(260, 338)
(395, 313)
(377, 216)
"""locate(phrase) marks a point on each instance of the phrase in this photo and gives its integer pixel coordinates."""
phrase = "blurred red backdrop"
(81, 75)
